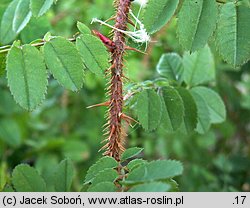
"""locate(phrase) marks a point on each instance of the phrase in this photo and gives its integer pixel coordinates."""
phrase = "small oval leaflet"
(100, 165)
(64, 176)
(235, 46)
(190, 110)
(93, 53)
(155, 170)
(131, 152)
(27, 179)
(173, 109)
(149, 109)
(204, 123)
(27, 76)
(170, 66)
(22, 15)
(199, 67)
(195, 28)
(158, 13)
(65, 63)
(7, 34)
(216, 106)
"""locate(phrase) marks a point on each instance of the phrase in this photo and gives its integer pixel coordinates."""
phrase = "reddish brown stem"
(114, 147)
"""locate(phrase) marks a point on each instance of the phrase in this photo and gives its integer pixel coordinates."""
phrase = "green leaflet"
(190, 110)
(83, 28)
(6, 33)
(63, 176)
(151, 187)
(173, 109)
(100, 165)
(135, 163)
(155, 170)
(45, 164)
(158, 13)
(27, 76)
(199, 67)
(171, 67)
(232, 34)
(131, 152)
(93, 52)
(40, 7)
(65, 63)
(204, 123)
(196, 23)
(103, 187)
(27, 179)
(107, 175)
(149, 109)
(22, 15)
(10, 132)
(214, 103)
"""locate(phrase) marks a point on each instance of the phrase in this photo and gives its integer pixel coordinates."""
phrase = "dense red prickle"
(116, 133)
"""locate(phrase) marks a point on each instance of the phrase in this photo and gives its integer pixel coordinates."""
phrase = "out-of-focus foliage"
(217, 160)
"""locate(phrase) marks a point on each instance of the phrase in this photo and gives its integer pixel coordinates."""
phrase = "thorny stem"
(116, 135)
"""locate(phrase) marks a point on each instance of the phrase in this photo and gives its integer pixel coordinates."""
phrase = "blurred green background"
(63, 127)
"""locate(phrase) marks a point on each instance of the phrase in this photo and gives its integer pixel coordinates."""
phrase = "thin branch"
(6, 49)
